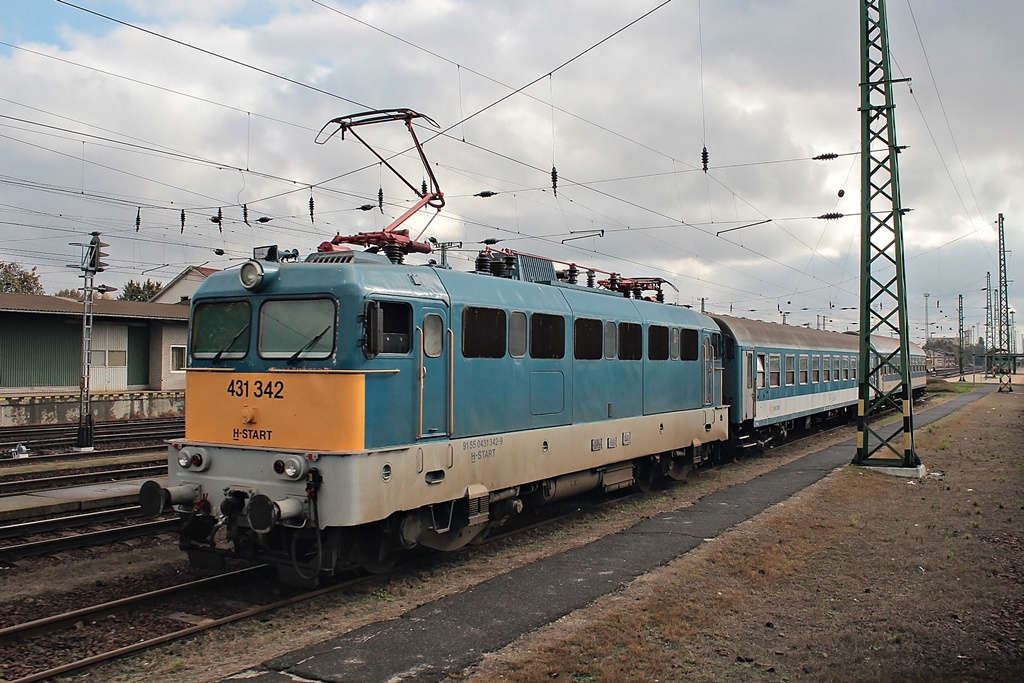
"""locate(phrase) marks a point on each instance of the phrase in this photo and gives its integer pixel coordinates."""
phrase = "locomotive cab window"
(587, 337)
(657, 342)
(433, 335)
(483, 332)
(547, 336)
(611, 340)
(220, 330)
(297, 328)
(631, 341)
(517, 334)
(388, 327)
(689, 345)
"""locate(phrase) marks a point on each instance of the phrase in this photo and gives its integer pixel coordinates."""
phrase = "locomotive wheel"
(645, 474)
(375, 550)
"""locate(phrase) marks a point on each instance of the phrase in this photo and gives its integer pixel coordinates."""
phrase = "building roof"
(183, 285)
(105, 308)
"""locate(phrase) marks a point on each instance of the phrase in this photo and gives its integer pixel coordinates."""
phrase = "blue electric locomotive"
(346, 407)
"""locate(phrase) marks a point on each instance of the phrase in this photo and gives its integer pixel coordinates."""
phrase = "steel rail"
(47, 483)
(19, 551)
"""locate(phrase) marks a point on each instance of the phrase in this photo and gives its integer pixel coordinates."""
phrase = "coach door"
(749, 404)
(435, 356)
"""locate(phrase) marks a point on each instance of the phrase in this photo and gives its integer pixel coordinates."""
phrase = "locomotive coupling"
(264, 513)
(154, 499)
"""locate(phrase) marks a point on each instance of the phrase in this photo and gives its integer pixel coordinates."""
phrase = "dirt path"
(863, 576)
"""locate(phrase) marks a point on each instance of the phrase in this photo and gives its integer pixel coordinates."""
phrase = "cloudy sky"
(118, 110)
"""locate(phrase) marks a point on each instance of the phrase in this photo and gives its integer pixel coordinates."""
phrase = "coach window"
(300, 328)
(517, 334)
(853, 368)
(835, 368)
(547, 336)
(846, 367)
(774, 370)
(611, 340)
(760, 371)
(815, 369)
(221, 330)
(790, 369)
(803, 369)
(483, 332)
(689, 345)
(657, 342)
(587, 336)
(826, 361)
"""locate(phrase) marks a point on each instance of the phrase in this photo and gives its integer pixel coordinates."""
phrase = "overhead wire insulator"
(311, 209)
(485, 193)
(828, 156)
(423, 187)
(264, 219)
(183, 221)
(380, 199)
(830, 216)
(554, 180)
(138, 219)
(367, 207)
(245, 214)
(704, 157)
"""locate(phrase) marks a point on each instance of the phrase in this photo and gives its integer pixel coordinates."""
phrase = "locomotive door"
(435, 356)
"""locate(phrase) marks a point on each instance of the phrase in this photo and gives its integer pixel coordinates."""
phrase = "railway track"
(45, 438)
(125, 525)
(49, 483)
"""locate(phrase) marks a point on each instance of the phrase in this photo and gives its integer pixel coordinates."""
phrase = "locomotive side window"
(483, 332)
(673, 344)
(388, 327)
(631, 341)
(815, 369)
(790, 369)
(774, 370)
(547, 336)
(611, 339)
(433, 335)
(689, 345)
(587, 337)
(803, 369)
(221, 330)
(295, 329)
(517, 334)
(657, 342)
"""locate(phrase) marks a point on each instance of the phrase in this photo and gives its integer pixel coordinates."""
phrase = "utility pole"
(883, 270)
(961, 337)
(1003, 318)
(989, 326)
(92, 263)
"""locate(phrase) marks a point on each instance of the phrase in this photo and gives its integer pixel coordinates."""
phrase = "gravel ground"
(700, 617)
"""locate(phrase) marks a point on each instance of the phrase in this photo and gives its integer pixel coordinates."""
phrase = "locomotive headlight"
(291, 467)
(255, 275)
(184, 459)
(194, 458)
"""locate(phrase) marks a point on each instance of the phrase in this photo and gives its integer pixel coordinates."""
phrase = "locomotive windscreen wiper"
(231, 343)
(308, 345)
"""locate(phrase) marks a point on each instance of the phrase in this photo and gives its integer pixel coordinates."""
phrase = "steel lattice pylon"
(883, 303)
